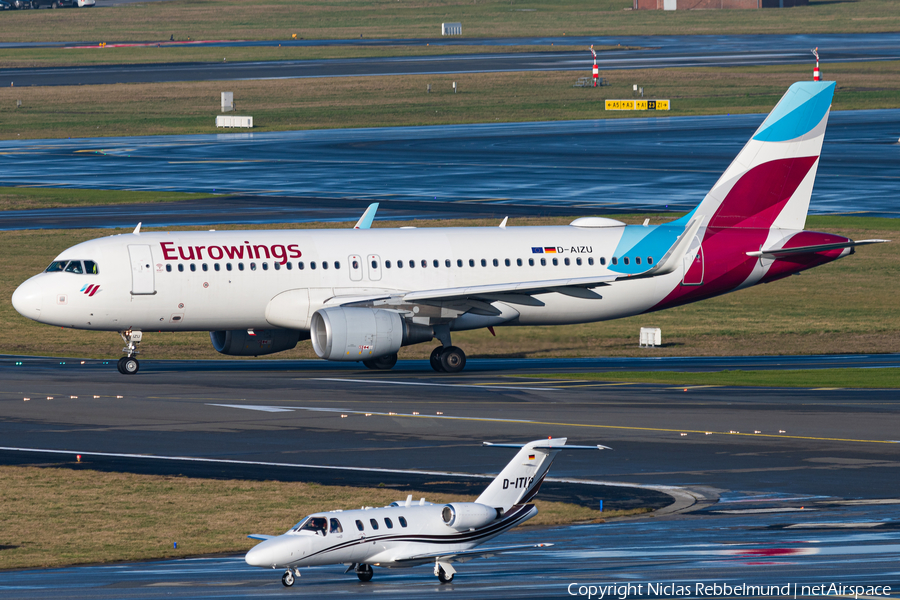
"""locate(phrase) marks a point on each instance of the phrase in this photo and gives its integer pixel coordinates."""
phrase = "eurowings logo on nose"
(90, 290)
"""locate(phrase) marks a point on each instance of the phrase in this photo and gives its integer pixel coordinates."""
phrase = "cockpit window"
(336, 526)
(74, 266)
(56, 266)
(316, 524)
(90, 267)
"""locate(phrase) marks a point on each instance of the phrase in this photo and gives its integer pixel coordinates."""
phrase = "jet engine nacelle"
(356, 334)
(468, 515)
(239, 342)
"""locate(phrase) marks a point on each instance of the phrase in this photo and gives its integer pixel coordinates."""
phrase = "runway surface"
(827, 544)
(775, 486)
(652, 52)
(573, 167)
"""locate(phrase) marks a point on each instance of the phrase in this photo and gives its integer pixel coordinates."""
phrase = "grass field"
(800, 378)
(846, 306)
(12, 198)
(291, 104)
(345, 19)
(53, 517)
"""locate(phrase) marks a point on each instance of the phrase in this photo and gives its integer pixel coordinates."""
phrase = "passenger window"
(265, 266)
(217, 267)
(518, 262)
(399, 264)
(649, 260)
(626, 260)
(506, 262)
(471, 262)
(253, 266)
(336, 526)
(402, 521)
(240, 266)
(496, 263)
(193, 268)
(168, 268)
(359, 525)
(337, 265)
(483, 262)
(603, 261)
(374, 264)
(373, 523)
(543, 262)
(637, 260)
(288, 265)
(578, 261)
(459, 262)
(447, 263)
(227, 266)
(205, 267)
(181, 268)
(555, 262)
(277, 266)
(566, 261)
(424, 263)
(387, 264)
(530, 262)
(355, 264)
(90, 267)
(74, 266)
(591, 260)
(412, 264)
(301, 266)
(325, 264)
(388, 523)
(56, 266)
(615, 261)
(435, 263)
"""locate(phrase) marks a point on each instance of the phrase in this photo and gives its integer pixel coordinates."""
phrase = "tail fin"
(520, 480)
(770, 182)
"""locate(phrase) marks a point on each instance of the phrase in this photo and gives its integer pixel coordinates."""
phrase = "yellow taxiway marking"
(583, 425)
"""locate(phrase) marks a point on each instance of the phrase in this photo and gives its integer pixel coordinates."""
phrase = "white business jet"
(361, 294)
(408, 534)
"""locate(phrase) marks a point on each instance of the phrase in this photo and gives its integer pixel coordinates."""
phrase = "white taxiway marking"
(453, 385)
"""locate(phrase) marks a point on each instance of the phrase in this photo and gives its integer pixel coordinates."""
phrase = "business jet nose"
(278, 551)
(28, 298)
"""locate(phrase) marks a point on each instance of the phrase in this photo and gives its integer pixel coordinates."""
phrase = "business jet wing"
(467, 555)
(260, 536)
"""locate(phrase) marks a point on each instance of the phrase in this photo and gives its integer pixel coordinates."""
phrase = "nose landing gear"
(287, 579)
(129, 365)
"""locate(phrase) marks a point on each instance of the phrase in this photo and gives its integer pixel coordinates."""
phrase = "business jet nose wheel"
(288, 578)
(448, 360)
(364, 572)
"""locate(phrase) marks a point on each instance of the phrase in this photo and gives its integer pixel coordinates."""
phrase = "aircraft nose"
(276, 552)
(28, 298)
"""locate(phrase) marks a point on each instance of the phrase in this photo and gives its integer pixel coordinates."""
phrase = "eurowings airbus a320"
(407, 534)
(361, 294)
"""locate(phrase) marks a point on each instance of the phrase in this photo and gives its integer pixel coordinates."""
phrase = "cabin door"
(141, 270)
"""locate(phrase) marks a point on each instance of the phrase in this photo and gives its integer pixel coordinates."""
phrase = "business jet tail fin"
(521, 479)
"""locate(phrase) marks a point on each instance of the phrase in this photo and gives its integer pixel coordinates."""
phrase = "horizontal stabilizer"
(465, 555)
(260, 536)
(567, 446)
(782, 252)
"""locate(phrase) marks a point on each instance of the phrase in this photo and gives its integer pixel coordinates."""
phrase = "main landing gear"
(444, 572)
(288, 578)
(448, 360)
(364, 572)
(129, 365)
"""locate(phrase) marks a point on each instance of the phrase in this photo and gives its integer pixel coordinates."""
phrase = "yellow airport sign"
(637, 105)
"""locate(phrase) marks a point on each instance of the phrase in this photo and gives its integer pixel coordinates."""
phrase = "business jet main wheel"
(382, 363)
(129, 365)
(364, 572)
(444, 577)
(436, 359)
(287, 579)
(453, 359)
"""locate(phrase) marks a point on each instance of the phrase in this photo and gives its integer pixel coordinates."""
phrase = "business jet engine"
(243, 342)
(468, 515)
(355, 334)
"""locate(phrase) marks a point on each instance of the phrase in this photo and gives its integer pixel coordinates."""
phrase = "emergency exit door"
(142, 282)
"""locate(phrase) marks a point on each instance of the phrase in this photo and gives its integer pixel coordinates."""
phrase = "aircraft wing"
(260, 536)
(466, 555)
(577, 287)
(782, 252)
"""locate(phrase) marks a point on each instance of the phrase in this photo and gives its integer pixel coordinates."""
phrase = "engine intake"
(238, 342)
(468, 515)
(355, 334)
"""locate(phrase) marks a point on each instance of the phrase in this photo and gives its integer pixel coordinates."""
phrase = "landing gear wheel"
(444, 577)
(453, 359)
(364, 572)
(435, 359)
(288, 578)
(130, 365)
(382, 363)
(119, 365)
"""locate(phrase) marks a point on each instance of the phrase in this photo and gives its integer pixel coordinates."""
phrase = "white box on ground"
(451, 28)
(229, 121)
(651, 336)
(227, 101)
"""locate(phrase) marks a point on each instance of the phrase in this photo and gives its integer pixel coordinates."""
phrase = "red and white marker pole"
(596, 71)
(816, 72)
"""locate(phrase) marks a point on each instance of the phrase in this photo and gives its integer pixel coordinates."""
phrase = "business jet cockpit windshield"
(318, 525)
(76, 267)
